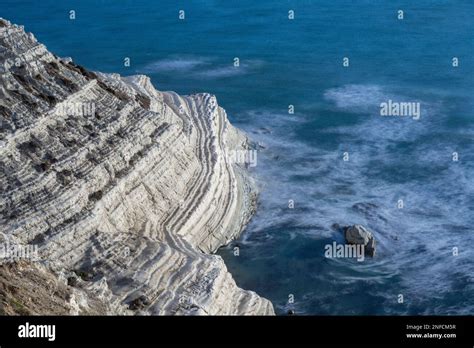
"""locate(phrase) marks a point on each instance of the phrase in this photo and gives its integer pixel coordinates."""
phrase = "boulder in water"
(358, 234)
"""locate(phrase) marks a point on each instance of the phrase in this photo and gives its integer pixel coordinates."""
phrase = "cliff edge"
(123, 191)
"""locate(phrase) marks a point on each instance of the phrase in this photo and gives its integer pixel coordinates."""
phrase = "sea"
(306, 81)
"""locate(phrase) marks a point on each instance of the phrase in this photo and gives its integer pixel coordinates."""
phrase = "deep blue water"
(299, 62)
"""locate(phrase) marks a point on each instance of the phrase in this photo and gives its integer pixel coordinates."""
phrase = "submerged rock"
(358, 234)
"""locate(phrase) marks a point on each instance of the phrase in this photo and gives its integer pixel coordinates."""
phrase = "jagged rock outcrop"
(125, 190)
(358, 234)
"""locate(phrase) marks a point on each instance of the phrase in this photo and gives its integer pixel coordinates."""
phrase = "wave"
(201, 67)
(357, 98)
(175, 64)
(230, 70)
(414, 243)
(367, 98)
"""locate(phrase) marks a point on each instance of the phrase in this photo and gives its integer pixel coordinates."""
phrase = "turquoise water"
(299, 62)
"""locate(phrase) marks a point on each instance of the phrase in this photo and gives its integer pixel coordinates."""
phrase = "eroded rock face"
(358, 234)
(127, 187)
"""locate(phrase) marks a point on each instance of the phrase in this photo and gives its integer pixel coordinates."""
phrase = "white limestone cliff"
(125, 190)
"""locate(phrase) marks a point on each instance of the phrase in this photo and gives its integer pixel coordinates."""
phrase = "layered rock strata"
(125, 190)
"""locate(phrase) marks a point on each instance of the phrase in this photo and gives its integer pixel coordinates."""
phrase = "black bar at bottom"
(291, 330)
